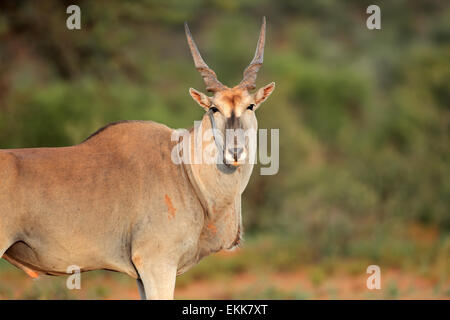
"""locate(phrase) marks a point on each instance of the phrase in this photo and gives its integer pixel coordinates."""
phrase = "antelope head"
(231, 109)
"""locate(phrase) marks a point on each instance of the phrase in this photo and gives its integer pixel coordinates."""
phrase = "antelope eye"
(250, 107)
(214, 109)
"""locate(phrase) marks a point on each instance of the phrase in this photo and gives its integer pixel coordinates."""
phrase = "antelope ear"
(262, 94)
(202, 99)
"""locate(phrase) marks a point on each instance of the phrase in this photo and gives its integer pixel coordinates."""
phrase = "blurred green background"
(364, 119)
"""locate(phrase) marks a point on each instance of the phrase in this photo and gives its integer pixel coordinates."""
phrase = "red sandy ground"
(337, 286)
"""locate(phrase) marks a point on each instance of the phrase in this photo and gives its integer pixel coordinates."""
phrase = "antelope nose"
(236, 152)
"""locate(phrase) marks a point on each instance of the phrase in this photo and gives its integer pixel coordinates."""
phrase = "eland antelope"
(117, 202)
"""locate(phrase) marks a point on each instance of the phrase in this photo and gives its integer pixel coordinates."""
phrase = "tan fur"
(233, 100)
(105, 204)
(118, 202)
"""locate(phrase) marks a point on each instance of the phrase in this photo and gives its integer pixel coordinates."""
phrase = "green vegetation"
(364, 116)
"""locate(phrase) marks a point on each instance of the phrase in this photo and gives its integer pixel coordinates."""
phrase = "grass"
(280, 254)
(270, 293)
(262, 269)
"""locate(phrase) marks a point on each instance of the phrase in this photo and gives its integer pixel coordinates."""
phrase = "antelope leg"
(4, 245)
(141, 289)
(159, 280)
